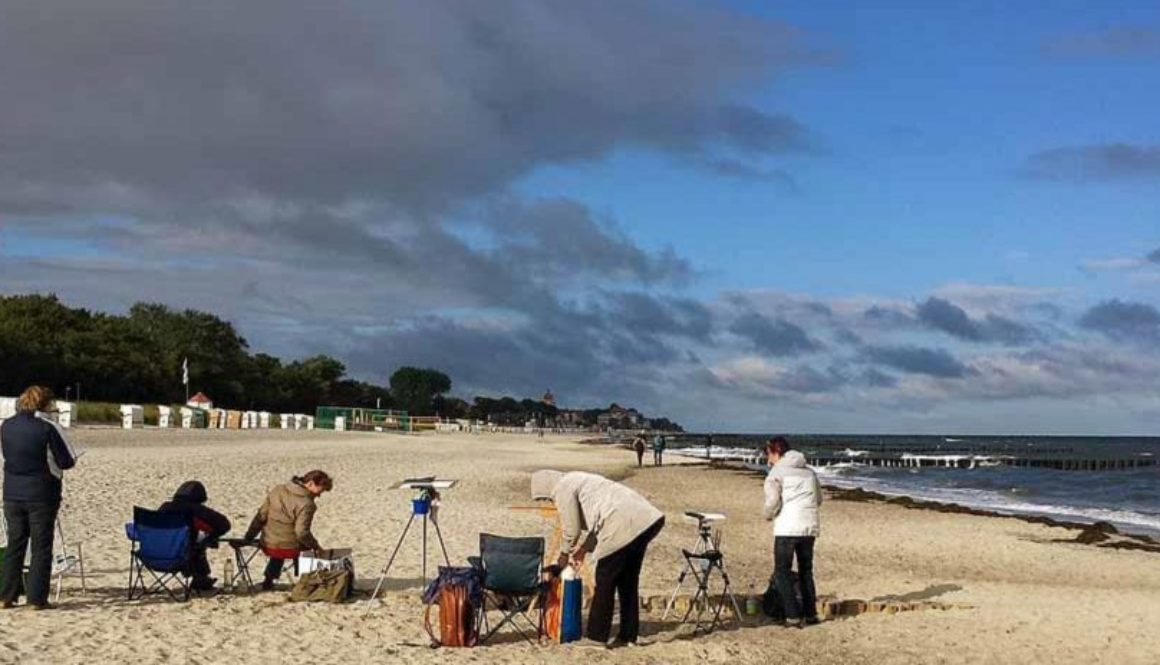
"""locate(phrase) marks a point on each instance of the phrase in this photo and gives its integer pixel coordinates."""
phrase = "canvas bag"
(771, 601)
(458, 592)
(563, 605)
(331, 586)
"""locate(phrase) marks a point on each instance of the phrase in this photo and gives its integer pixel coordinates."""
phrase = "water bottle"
(752, 606)
(228, 571)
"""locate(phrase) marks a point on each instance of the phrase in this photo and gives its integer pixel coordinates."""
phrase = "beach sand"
(1017, 595)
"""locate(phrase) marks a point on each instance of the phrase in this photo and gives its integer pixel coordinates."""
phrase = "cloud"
(1095, 163)
(1154, 255)
(938, 363)
(1117, 42)
(1130, 321)
(943, 315)
(776, 337)
(559, 239)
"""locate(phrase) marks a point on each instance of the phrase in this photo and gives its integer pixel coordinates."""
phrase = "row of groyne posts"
(940, 458)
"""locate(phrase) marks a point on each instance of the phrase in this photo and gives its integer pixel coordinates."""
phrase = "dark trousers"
(640, 458)
(657, 457)
(785, 549)
(35, 523)
(618, 575)
(198, 562)
(274, 569)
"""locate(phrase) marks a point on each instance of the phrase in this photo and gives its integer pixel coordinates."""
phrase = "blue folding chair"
(162, 544)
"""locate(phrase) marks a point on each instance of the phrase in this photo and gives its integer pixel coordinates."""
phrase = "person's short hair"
(34, 398)
(778, 445)
(320, 478)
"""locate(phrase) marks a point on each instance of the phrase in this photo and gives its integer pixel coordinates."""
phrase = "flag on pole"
(185, 372)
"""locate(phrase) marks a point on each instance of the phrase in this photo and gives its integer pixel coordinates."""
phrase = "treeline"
(137, 358)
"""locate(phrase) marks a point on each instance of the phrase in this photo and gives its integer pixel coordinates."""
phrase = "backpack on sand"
(330, 586)
(458, 591)
(771, 601)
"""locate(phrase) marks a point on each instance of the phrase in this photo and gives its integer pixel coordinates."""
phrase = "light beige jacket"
(286, 518)
(596, 513)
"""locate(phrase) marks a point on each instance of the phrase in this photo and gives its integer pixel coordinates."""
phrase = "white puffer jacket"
(792, 497)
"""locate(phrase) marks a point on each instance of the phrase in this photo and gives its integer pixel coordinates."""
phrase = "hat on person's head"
(544, 483)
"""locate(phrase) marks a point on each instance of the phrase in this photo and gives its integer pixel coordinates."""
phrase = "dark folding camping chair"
(161, 543)
(513, 581)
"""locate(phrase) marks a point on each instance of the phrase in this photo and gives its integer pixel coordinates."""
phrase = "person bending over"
(285, 520)
(792, 498)
(614, 523)
(207, 525)
(35, 456)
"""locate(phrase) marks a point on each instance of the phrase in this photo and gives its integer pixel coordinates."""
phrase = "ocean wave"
(1004, 502)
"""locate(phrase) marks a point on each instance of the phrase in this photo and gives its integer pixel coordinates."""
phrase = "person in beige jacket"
(614, 523)
(285, 521)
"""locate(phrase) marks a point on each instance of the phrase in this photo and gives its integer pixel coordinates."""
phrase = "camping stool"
(244, 552)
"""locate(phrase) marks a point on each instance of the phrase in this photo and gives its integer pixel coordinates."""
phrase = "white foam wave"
(1000, 503)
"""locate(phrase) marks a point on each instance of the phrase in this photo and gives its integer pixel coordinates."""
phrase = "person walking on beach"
(614, 523)
(35, 456)
(792, 498)
(638, 448)
(285, 520)
(659, 450)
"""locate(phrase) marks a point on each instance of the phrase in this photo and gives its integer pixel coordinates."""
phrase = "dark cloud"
(1154, 256)
(1118, 42)
(342, 179)
(773, 337)
(887, 317)
(876, 378)
(169, 103)
(938, 363)
(652, 315)
(944, 315)
(559, 240)
(1095, 163)
(1131, 321)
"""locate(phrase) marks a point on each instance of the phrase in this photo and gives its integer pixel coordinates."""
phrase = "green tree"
(415, 389)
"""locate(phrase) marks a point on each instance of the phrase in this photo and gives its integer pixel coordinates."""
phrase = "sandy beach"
(1015, 594)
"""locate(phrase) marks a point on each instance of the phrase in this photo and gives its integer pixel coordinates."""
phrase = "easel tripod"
(701, 561)
(426, 506)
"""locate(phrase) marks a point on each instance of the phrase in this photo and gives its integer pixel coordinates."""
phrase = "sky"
(896, 217)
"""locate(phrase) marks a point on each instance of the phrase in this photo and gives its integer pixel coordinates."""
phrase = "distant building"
(200, 401)
(549, 398)
(618, 417)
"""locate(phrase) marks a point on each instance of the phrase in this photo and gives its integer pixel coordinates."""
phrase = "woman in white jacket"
(792, 498)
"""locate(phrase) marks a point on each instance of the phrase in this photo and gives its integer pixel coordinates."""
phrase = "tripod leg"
(424, 550)
(439, 535)
(676, 590)
(391, 561)
(727, 591)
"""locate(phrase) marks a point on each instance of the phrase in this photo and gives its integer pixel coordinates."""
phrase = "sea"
(1127, 498)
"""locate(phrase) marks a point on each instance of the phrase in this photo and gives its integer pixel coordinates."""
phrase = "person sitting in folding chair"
(35, 455)
(621, 523)
(285, 521)
(162, 545)
(207, 524)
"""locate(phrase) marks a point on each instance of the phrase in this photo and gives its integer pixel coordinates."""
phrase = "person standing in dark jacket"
(206, 526)
(35, 455)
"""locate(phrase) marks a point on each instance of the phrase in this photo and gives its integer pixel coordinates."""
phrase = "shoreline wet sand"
(979, 589)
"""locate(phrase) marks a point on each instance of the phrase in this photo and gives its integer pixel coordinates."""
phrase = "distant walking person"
(792, 498)
(35, 456)
(658, 450)
(638, 448)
